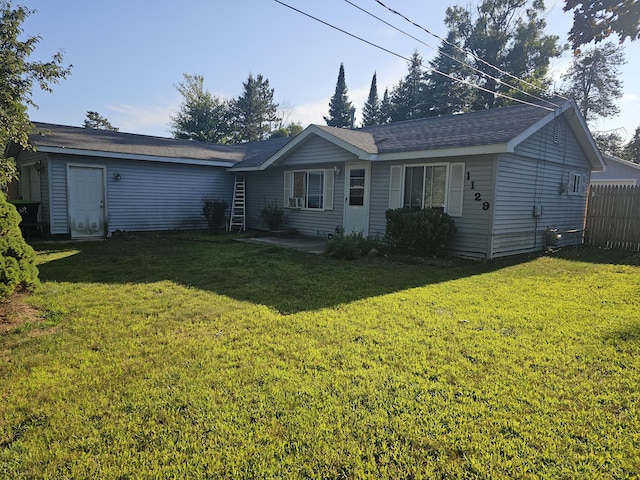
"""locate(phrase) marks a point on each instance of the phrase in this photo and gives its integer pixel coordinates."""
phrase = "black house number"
(478, 196)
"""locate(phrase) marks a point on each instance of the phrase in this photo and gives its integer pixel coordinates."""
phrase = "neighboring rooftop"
(49, 136)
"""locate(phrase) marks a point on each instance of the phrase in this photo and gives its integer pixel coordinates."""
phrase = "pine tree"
(340, 108)
(97, 122)
(385, 107)
(254, 111)
(444, 95)
(632, 149)
(407, 98)
(371, 110)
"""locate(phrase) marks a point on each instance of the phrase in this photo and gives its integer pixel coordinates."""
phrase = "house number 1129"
(478, 196)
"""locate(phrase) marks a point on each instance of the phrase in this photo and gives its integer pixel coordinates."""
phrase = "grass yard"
(191, 356)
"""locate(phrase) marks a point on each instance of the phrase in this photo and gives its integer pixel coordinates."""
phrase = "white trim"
(620, 182)
(135, 156)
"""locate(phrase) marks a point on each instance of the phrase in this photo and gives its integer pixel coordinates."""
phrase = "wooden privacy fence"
(613, 217)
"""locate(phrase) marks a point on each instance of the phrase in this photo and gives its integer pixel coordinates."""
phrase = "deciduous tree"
(595, 20)
(593, 82)
(201, 116)
(18, 77)
(508, 34)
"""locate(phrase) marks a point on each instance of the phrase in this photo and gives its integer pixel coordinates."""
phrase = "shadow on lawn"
(286, 280)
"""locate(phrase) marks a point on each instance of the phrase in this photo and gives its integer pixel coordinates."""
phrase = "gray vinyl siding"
(474, 227)
(150, 195)
(29, 158)
(472, 238)
(535, 175)
(268, 186)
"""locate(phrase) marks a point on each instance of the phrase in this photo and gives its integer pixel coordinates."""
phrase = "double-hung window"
(309, 189)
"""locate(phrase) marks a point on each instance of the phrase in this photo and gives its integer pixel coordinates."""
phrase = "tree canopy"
(597, 20)
(508, 34)
(593, 81)
(18, 79)
(98, 122)
(340, 107)
(371, 109)
(254, 111)
(201, 116)
(407, 97)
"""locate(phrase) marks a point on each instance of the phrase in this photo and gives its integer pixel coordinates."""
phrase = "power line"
(460, 80)
(463, 50)
(461, 62)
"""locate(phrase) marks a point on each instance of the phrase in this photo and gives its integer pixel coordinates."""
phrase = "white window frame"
(302, 203)
(454, 187)
(576, 184)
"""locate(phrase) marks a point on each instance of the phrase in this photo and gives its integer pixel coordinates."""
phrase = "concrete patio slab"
(315, 245)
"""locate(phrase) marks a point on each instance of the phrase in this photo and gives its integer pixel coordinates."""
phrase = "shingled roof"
(496, 130)
(484, 127)
(49, 137)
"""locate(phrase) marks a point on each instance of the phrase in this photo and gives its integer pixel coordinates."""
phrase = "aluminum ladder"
(237, 219)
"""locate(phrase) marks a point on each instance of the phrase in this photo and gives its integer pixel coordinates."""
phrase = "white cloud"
(145, 120)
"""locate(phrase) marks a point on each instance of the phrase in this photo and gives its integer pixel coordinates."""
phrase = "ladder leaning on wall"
(237, 220)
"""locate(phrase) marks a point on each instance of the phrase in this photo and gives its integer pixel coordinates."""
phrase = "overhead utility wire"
(473, 85)
(463, 50)
(461, 62)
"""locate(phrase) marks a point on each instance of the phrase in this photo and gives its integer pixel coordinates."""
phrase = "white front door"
(86, 201)
(356, 202)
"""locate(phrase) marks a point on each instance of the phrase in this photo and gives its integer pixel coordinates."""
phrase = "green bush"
(419, 232)
(272, 215)
(18, 269)
(213, 211)
(353, 245)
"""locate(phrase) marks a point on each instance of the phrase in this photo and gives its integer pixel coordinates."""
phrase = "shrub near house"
(17, 259)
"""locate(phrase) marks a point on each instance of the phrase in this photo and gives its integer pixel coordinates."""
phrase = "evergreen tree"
(340, 108)
(632, 149)
(371, 110)
(407, 98)
(19, 75)
(593, 83)
(97, 122)
(201, 117)
(508, 34)
(444, 95)
(385, 107)
(254, 110)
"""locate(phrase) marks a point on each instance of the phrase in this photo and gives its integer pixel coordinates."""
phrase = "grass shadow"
(286, 280)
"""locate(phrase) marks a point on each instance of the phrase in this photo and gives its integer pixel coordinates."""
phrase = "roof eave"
(444, 152)
(134, 156)
(304, 136)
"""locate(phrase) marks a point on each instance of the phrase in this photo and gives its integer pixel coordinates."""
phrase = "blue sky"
(127, 56)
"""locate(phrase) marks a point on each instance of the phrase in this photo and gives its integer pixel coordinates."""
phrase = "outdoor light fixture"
(336, 170)
(117, 177)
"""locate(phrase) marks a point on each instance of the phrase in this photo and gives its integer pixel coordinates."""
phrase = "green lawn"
(191, 356)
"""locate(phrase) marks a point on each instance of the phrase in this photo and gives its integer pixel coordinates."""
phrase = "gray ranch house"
(619, 172)
(504, 175)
